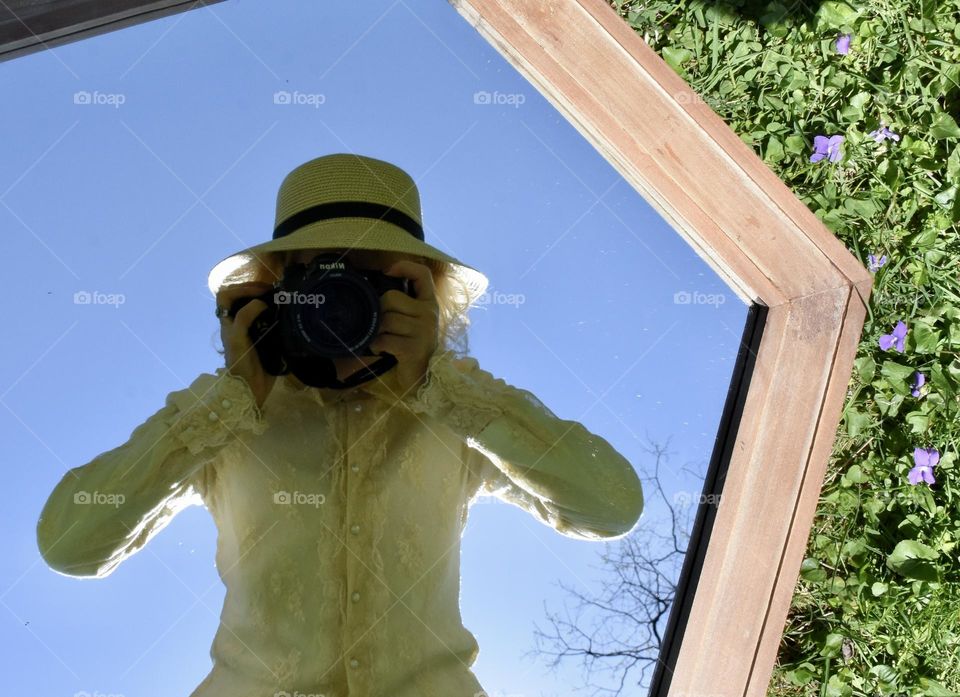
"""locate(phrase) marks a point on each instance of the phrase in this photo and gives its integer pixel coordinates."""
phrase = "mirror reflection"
(464, 522)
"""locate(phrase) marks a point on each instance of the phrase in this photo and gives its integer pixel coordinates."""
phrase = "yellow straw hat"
(342, 201)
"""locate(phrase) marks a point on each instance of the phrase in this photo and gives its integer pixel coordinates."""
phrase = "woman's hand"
(409, 327)
(241, 356)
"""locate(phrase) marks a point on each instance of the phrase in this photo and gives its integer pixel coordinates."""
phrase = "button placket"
(352, 564)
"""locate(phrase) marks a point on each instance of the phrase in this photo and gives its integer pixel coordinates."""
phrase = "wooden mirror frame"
(809, 296)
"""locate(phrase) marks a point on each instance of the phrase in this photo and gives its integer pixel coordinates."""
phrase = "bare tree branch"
(617, 631)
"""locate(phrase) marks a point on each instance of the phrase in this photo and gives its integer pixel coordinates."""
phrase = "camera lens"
(336, 316)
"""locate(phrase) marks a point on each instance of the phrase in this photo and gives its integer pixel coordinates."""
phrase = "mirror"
(146, 155)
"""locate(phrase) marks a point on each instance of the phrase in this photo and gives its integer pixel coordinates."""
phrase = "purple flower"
(895, 338)
(823, 146)
(873, 264)
(883, 132)
(924, 461)
(918, 380)
(843, 44)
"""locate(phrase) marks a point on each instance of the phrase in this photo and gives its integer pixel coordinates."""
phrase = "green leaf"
(865, 208)
(832, 644)
(940, 381)
(802, 674)
(925, 239)
(896, 373)
(836, 14)
(931, 688)
(856, 421)
(884, 673)
(854, 475)
(944, 126)
(913, 559)
(795, 144)
(774, 151)
(919, 422)
(676, 57)
(878, 588)
(946, 197)
(837, 688)
(810, 570)
(865, 367)
(926, 339)
(888, 407)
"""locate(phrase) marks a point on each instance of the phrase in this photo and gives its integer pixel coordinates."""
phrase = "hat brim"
(262, 261)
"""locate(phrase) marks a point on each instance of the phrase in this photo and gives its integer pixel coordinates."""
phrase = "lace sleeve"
(102, 512)
(557, 470)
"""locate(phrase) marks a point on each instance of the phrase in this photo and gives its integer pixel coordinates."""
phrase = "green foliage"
(876, 610)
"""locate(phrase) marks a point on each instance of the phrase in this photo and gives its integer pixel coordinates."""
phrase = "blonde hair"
(453, 321)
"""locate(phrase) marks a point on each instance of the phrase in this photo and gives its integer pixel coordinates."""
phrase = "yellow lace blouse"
(339, 516)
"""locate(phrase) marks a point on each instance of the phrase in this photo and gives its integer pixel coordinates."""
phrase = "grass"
(876, 610)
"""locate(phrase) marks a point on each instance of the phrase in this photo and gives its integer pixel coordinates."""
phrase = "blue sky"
(174, 164)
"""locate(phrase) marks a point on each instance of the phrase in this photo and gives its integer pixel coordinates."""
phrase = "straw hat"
(342, 201)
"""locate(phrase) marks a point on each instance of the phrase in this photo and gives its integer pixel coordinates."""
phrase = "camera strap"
(321, 372)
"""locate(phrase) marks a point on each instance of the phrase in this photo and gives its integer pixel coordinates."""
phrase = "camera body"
(321, 310)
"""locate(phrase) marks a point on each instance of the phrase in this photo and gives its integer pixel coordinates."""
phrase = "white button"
(354, 663)
(355, 597)
(355, 467)
(225, 404)
(358, 407)
(355, 529)
(213, 416)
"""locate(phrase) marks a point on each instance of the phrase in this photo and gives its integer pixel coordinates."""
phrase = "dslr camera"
(318, 311)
